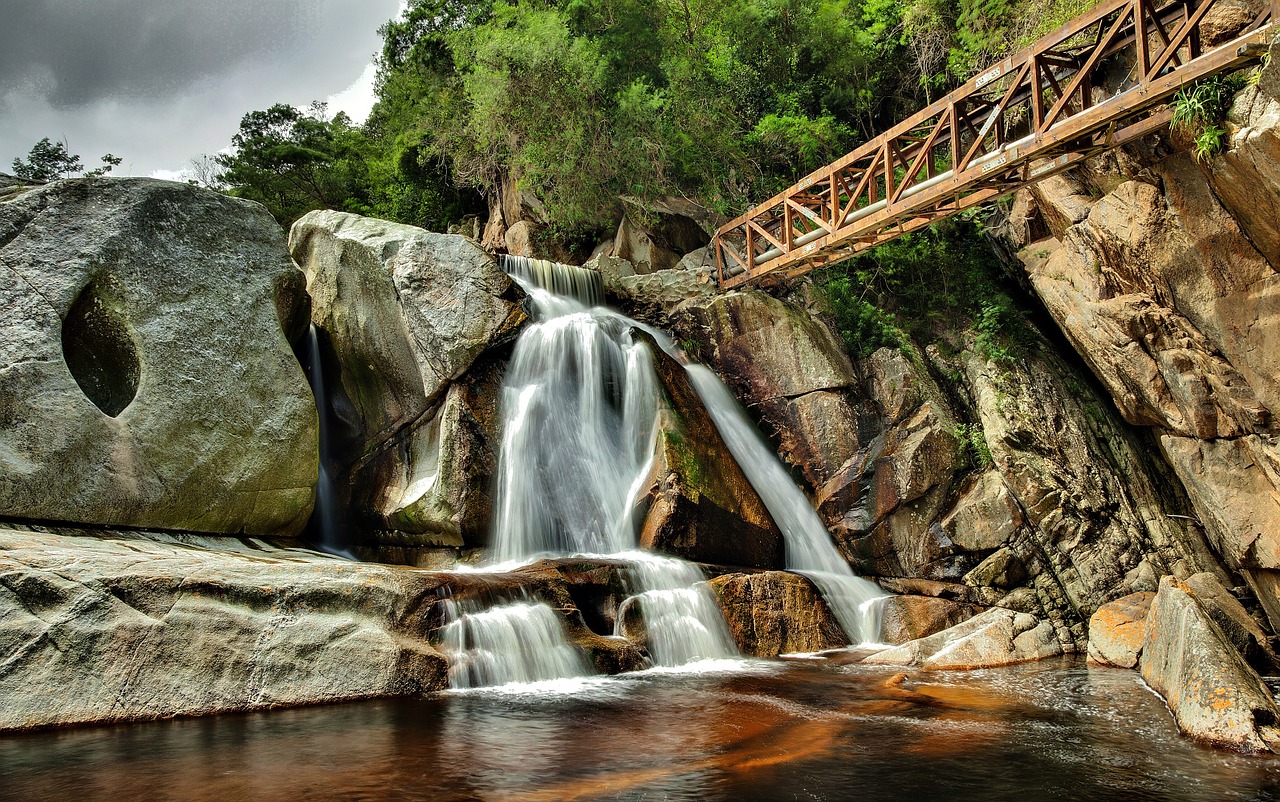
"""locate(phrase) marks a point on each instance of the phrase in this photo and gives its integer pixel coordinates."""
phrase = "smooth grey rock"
(126, 628)
(404, 313)
(146, 374)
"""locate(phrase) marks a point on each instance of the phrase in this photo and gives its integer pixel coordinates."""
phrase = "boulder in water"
(1213, 694)
(1117, 629)
(404, 313)
(775, 613)
(148, 378)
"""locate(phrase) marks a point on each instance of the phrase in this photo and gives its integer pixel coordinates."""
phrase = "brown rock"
(775, 613)
(907, 618)
(700, 505)
(1117, 629)
(1214, 695)
(986, 516)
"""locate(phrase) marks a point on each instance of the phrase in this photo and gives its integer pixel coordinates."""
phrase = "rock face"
(1117, 630)
(403, 314)
(775, 613)
(122, 628)
(1163, 275)
(1214, 695)
(700, 506)
(147, 374)
(997, 637)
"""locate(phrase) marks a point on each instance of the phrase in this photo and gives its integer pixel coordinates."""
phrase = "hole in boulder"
(100, 353)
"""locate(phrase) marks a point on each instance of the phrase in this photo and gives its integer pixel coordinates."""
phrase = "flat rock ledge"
(112, 627)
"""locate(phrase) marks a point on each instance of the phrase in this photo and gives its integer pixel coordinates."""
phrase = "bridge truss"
(1088, 87)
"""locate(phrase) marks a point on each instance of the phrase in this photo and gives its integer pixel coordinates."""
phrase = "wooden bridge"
(1090, 86)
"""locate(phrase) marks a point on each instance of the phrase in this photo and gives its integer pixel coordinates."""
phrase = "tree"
(49, 161)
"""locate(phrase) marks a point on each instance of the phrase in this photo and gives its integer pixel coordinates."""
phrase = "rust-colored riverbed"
(803, 730)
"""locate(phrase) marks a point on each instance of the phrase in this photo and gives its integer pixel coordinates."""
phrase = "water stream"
(519, 642)
(809, 549)
(325, 515)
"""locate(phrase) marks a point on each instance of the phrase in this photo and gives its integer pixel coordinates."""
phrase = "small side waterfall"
(853, 600)
(326, 509)
(520, 642)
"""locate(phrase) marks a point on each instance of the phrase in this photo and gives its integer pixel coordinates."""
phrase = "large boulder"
(775, 613)
(403, 313)
(698, 503)
(997, 637)
(1213, 694)
(148, 376)
(123, 628)
(1117, 630)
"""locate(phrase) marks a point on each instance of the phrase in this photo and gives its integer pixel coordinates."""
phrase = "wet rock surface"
(775, 613)
(698, 504)
(147, 376)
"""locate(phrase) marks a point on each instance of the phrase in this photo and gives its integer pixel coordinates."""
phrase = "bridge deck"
(1089, 86)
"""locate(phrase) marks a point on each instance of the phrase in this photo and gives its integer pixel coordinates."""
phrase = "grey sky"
(160, 82)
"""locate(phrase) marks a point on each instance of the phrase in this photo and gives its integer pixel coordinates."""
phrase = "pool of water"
(805, 730)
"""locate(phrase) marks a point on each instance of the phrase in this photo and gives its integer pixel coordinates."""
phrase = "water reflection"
(785, 731)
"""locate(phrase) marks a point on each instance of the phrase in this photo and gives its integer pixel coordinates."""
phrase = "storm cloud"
(162, 81)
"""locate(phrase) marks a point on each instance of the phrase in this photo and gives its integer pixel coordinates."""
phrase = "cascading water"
(579, 405)
(520, 642)
(683, 623)
(854, 601)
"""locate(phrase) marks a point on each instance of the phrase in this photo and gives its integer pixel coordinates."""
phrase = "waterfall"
(326, 509)
(520, 642)
(682, 620)
(853, 600)
(580, 408)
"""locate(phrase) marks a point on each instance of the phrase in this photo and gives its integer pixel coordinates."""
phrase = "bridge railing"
(1088, 86)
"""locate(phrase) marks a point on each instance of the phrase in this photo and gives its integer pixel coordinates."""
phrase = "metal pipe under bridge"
(1090, 86)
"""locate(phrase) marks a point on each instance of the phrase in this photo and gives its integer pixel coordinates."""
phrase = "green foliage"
(973, 445)
(49, 161)
(1208, 143)
(864, 326)
(1199, 110)
(293, 161)
(580, 102)
(943, 278)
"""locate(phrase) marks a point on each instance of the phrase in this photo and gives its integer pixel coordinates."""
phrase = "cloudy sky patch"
(160, 82)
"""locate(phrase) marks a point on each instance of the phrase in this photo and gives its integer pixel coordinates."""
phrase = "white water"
(854, 601)
(683, 622)
(521, 642)
(579, 405)
(580, 409)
